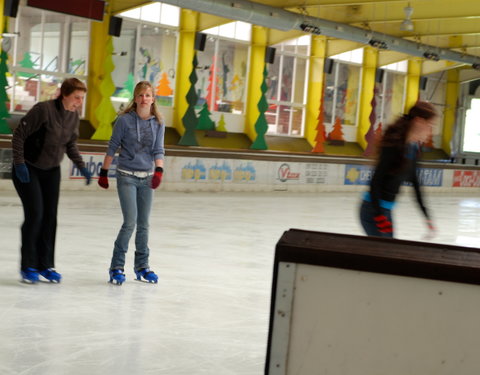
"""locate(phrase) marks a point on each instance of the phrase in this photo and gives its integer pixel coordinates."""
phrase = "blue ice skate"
(51, 275)
(148, 275)
(29, 275)
(117, 276)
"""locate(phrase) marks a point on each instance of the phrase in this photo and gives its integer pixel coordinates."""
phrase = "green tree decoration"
(105, 112)
(4, 128)
(190, 119)
(261, 125)
(128, 87)
(221, 124)
(204, 120)
(26, 63)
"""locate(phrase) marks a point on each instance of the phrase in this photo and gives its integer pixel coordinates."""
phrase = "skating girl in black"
(397, 163)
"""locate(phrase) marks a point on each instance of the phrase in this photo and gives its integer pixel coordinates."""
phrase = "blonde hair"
(132, 106)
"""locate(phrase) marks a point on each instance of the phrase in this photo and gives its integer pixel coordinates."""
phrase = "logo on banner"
(466, 179)
(245, 173)
(194, 172)
(93, 163)
(220, 172)
(357, 174)
(285, 174)
(430, 176)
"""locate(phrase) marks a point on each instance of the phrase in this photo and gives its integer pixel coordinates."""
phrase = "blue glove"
(85, 173)
(22, 173)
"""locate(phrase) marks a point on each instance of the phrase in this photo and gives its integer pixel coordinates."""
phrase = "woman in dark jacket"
(397, 163)
(43, 136)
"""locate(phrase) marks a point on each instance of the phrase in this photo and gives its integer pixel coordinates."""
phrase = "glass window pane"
(347, 93)
(273, 79)
(53, 34)
(227, 30)
(79, 48)
(25, 92)
(150, 13)
(231, 75)
(28, 46)
(124, 61)
(243, 31)
(329, 94)
(286, 80)
(300, 80)
(170, 15)
(297, 120)
(205, 86)
(133, 13)
(471, 137)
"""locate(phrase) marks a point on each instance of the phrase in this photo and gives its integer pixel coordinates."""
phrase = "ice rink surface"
(214, 255)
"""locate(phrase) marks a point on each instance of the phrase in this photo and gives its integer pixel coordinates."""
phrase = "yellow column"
(186, 50)
(98, 40)
(2, 18)
(413, 82)
(451, 97)
(255, 77)
(369, 66)
(315, 84)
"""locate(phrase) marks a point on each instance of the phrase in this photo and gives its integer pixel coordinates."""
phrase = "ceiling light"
(380, 44)
(431, 56)
(407, 24)
(476, 66)
(310, 28)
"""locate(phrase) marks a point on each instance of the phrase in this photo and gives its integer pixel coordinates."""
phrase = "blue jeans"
(135, 196)
(367, 213)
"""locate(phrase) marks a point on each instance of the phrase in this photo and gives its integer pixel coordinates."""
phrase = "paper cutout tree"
(163, 88)
(261, 125)
(4, 128)
(105, 112)
(26, 63)
(370, 135)
(128, 87)
(190, 119)
(204, 120)
(320, 137)
(335, 137)
(221, 124)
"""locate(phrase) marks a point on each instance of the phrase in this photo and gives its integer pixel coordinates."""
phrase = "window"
(389, 96)
(434, 93)
(52, 47)
(286, 87)
(342, 86)
(471, 136)
(222, 68)
(146, 50)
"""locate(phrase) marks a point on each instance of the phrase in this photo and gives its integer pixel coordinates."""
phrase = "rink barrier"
(193, 169)
(364, 305)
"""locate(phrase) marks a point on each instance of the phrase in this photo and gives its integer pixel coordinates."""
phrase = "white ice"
(214, 255)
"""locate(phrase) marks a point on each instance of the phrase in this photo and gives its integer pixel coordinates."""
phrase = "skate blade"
(146, 281)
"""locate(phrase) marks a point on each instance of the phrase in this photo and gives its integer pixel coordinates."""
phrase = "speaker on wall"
(10, 8)
(115, 26)
(379, 75)
(328, 66)
(200, 41)
(423, 83)
(270, 55)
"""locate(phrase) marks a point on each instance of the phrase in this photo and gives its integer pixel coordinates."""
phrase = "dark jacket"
(390, 174)
(45, 134)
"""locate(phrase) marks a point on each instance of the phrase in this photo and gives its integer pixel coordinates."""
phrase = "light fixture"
(431, 56)
(476, 66)
(310, 28)
(407, 24)
(380, 44)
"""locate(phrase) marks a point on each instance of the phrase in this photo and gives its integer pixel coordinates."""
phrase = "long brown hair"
(132, 106)
(396, 134)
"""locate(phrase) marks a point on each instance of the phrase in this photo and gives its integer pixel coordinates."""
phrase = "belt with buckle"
(139, 174)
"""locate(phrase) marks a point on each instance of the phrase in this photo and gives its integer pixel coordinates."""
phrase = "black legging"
(40, 201)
